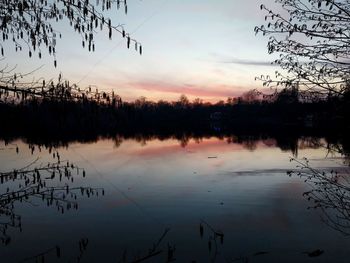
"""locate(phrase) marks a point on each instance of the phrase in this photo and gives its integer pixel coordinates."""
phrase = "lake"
(209, 199)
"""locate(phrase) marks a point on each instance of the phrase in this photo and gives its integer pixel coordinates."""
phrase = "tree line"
(88, 118)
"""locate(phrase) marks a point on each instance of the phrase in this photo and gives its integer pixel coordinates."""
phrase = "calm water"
(239, 189)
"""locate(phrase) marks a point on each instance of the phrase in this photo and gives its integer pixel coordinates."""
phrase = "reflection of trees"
(342, 146)
(215, 237)
(157, 250)
(49, 183)
(56, 252)
(250, 144)
(330, 192)
(184, 140)
(231, 139)
(285, 140)
(310, 143)
(286, 143)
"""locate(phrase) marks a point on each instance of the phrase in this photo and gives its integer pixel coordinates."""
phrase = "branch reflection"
(50, 183)
(329, 192)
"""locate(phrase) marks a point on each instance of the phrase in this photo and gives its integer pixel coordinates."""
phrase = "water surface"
(240, 189)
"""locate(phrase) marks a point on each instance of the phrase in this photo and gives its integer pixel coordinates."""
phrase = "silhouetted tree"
(250, 96)
(141, 102)
(197, 102)
(312, 40)
(31, 23)
(14, 90)
(183, 101)
(288, 96)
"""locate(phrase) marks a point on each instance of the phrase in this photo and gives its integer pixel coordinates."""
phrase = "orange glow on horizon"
(155, 91)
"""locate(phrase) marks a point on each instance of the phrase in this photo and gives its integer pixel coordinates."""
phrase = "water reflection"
(233, 186)
(54, 254)
(49, 182)
(329, 192)
(285, 141)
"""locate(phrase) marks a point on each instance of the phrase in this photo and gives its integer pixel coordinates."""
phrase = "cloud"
(227, 59)
(218, 91)
(247, 62)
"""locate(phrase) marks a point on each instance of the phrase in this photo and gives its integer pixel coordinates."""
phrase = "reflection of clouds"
(159, 150)
(270, 142)
(228, 154)
(219, 163)
(173, 147)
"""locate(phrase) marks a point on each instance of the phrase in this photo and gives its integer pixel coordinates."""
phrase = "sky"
(200, 48)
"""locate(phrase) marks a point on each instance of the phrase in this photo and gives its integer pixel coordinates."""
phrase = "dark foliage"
(54, 123)
(312, 39)
(31, 24)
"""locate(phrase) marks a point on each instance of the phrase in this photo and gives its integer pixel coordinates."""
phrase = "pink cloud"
(219, 91)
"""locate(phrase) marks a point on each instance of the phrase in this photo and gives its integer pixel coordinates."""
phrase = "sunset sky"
(200, 48)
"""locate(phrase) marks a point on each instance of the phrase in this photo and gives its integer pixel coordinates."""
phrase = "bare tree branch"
(312, 39)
